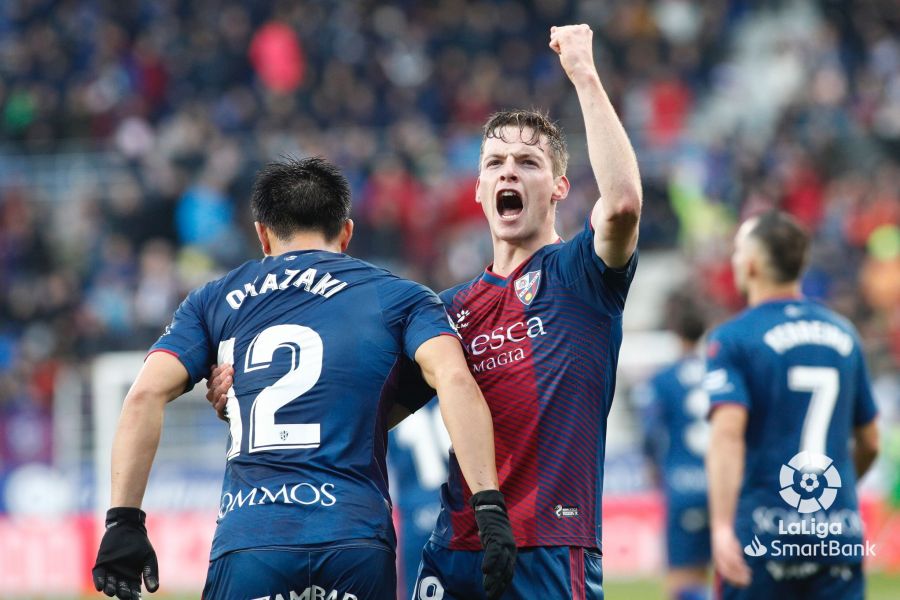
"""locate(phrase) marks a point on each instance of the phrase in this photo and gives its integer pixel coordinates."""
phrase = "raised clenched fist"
(574, 45)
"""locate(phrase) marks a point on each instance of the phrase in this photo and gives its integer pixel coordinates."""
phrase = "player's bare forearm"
(865, 448)
(134, 447)
(468, 421)
(464, 410)
(616, 214)
(725, 464)
(725, 470)
(612, 157)
(161, 379)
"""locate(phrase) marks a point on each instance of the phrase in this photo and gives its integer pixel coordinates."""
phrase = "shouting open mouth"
(509, 204)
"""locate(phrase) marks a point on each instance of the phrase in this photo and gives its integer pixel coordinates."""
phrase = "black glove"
(498, 541)
(125, 554)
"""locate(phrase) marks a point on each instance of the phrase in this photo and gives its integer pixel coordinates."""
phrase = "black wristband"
(488, 500)
(125, 514)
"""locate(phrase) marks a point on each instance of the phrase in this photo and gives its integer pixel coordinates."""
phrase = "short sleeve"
(417, 311)
(724, 380)
(584, 272)
(864, 409)
(187, 338)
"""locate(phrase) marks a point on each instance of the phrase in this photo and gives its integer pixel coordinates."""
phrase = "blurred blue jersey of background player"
(674, 408)
(793, 429)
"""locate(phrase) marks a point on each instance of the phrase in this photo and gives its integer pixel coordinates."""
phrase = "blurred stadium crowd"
(130, 133)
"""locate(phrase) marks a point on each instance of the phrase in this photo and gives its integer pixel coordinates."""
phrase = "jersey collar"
(492, 278)
(782, 299)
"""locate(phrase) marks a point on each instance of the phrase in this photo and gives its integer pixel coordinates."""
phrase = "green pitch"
(880, 586)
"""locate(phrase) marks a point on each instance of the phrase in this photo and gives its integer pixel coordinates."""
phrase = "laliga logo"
(818, 481)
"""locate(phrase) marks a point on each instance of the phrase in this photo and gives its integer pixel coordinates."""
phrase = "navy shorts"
(557, 572)
(798, 581)
(351, 571)
(687, 536)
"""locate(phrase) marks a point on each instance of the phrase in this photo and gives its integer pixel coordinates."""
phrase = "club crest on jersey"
(527, 286)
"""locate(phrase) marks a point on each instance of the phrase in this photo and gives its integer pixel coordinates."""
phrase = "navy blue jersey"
(798, 369)
(317, 340)
(674, 406)
(543, 344)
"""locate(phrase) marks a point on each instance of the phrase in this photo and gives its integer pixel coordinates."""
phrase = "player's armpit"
(865, 448)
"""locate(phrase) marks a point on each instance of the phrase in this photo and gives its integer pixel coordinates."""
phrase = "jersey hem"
(166, 350)
(865, 422)
(314, 547)
(581, 542)
(180, 355)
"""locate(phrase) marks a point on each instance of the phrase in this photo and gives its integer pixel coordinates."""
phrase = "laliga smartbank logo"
(809, 484)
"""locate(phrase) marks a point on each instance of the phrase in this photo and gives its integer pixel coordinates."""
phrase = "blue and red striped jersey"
(543, 345)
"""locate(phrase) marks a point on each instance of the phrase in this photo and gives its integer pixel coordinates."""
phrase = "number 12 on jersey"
(264, 434)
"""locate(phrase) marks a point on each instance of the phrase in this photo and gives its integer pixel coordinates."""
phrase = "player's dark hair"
(293, 195)
(687, 315)
(539, 124)
(785, 242)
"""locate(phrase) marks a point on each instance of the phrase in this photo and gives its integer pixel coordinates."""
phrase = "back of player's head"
(293, 195)
(539, 124)
(785, 243)
(687, 315)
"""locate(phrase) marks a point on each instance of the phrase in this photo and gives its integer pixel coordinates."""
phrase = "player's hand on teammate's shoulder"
(125, 555)
(574, 45)
(728, 557)
(218, 383)
(495, 532)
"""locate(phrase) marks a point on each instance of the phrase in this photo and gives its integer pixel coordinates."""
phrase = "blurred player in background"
(793, 430)
(674, 408)
(319, 339)
(542, 327)
(418, 455)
